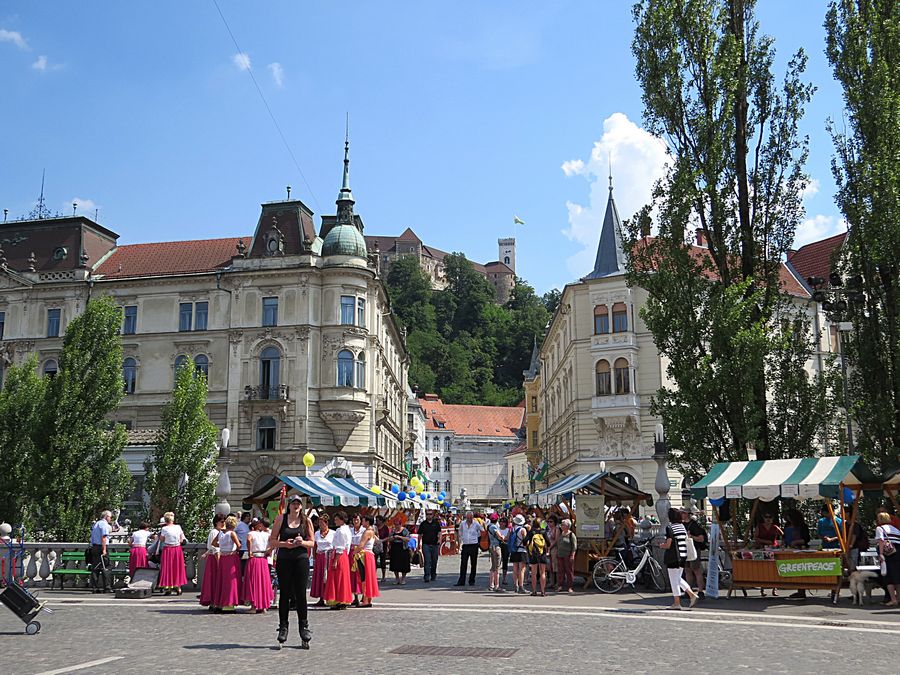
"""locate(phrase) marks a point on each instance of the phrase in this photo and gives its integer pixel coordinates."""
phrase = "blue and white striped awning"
(600, 482)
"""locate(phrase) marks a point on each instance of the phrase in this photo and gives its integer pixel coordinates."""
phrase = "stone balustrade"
(35, 569)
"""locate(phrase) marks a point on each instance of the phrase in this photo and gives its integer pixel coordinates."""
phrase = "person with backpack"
(517, 551)
(496, 542)
(537, 546)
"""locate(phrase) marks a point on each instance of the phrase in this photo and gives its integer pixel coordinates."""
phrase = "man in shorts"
(495, 547)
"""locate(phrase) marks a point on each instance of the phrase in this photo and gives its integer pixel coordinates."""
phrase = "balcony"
(616, 402)
(281, 392)
(617, 341)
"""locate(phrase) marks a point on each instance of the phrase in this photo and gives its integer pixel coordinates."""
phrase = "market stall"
(586, 497)
(327, 492)
(821, 478)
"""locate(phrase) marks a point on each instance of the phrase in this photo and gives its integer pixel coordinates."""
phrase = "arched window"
(435, 443)
(51, 368)
(436, 465)
(601, 320)
(265, 433)
(201, 364)
(361, 371)
(623, 383)
(129, 374)
(506, 260)
(604, 384)
(181, 360)
(620, 317)
(447, 466)
(447, 487)
(627, 478)
(269, 373)
(345, 368)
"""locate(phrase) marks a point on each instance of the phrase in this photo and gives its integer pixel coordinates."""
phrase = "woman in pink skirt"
(370, 574)
(356, 532)
(323, 539)
(211, 566)
(337, 584)
(172, 574)
(228, 583)
(138, 556)
(257, 590)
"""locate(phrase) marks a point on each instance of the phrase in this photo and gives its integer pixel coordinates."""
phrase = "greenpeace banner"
(809, 567)
(712, 573)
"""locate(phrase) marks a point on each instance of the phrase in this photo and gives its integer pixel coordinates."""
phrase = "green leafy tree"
(863, 46)
(79, 452)
(551, 299)
(181, 474)
(21, 416)
(736, 173)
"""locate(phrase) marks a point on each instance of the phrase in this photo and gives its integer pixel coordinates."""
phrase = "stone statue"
(464, 503)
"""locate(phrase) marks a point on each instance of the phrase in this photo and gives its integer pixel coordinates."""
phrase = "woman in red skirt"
(258, 591)
(211, 564)
(172, 575)
(367, 562)
(228, 583)
(337, 584)
(322, 550)
(138, 556)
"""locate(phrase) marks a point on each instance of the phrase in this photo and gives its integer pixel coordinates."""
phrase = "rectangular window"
(361, 312)
(201, 315)
(130, 325)
(534, 404)
(270, 312)
(603, 384)
(348, 306)
(185, 314)
(53, 322)
(2, 323)
(534, 439)
(601, 324)
(620, 321)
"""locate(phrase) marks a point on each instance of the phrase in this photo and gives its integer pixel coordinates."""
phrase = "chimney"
(645, 228)
(701, 237)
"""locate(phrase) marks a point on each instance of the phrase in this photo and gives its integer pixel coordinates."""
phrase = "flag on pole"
(518, 221)
(282, 500)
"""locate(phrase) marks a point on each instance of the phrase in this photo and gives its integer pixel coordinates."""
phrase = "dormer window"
(274, 239)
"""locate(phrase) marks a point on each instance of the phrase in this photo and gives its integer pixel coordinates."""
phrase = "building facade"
(291, 327)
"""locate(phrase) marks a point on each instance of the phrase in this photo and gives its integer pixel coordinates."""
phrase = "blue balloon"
(395, 488)
(447, 503)
(401, 496)
(717, 502)
(442, 495)
(849, 496)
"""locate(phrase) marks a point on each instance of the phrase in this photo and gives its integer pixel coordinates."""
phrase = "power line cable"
(268, 109)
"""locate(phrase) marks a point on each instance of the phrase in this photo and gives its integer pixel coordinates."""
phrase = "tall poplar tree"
(720, 314)
(863, 46)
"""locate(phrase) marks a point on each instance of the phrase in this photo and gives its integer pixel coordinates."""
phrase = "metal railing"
(280, 392)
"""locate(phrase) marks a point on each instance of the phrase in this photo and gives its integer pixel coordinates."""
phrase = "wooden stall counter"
(786, 569)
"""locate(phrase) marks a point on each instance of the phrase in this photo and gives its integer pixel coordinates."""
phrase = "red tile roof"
(169, 258)
(472, 420)
(815, 259)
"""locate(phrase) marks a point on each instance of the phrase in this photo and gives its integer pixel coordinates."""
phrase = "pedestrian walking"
(675, 557)
(400, 558)
(323, 539)
(551, 534)
(887, 538)
(495, 547)
(257, 588)
(172, 574)
(537, 547)
(430, 545)
(503, 534)
(566, 545)
(98, 560)
(518, 552)
(292, 537)
(337, 581)
(137, 556)
(693, 569)
(210, 583)
(228, 578)
(469, 534)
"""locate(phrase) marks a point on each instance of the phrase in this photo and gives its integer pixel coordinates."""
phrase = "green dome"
(344, 240)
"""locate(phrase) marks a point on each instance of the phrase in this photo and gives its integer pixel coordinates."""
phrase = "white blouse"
(342, 539)
(257, 541)
(226, 543)
(172, 535)
(212, 540)
(139, 538)
(325, 543)
(356, 535)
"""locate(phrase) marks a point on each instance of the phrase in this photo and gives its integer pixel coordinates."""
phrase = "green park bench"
(73, 564)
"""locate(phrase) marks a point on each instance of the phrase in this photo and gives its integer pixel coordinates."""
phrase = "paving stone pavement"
(580, 633)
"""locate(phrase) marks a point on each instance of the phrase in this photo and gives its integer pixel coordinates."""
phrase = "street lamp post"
(660, 456)
(223, 486)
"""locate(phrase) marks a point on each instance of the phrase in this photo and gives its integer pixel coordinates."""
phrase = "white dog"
(858, 585)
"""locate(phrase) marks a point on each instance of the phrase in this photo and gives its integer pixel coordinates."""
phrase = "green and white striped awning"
(321, 491)
(807, 478)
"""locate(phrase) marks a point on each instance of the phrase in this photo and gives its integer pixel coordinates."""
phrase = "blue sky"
(462, 114)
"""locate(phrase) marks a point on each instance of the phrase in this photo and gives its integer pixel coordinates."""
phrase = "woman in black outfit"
(292, 535)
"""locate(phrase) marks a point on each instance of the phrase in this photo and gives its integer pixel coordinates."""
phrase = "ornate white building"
(292, 328)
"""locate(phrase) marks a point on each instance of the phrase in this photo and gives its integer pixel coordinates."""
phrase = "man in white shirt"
(98, 561)
(469, 532)
(242, 529)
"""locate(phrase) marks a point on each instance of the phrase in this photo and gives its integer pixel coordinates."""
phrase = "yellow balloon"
(376, 490)
(309, 459)
(418, 489)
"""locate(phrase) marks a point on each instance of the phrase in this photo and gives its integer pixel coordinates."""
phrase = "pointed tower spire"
(345, 195)
(610, 254)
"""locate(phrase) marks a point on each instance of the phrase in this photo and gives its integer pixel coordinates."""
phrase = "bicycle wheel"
(656, 578)
(602, 575)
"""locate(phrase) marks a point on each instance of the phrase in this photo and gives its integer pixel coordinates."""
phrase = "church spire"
(610, 254)
(345, 195)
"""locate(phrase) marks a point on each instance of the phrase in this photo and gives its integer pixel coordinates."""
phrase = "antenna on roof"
(609, 162)
(96, 212)
(347, 129)
(74, 207)
(40, 204)
(5, 213)
(289, 193)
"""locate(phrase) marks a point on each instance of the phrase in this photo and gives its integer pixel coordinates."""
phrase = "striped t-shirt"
(678, 534)
(888, 532)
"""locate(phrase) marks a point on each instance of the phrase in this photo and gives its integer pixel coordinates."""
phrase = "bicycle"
(611, 574)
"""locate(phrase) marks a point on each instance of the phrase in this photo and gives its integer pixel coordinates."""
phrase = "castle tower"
(507, 252)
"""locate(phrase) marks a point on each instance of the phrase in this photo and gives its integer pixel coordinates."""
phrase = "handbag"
(888, 548)
(691, 549)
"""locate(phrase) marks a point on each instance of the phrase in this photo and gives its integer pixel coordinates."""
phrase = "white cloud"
(241, 60)
(13, 37)
(638, 160)
(818, 227)
(811, 189)
(40, 64)
(86, 207)
(277, 73)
